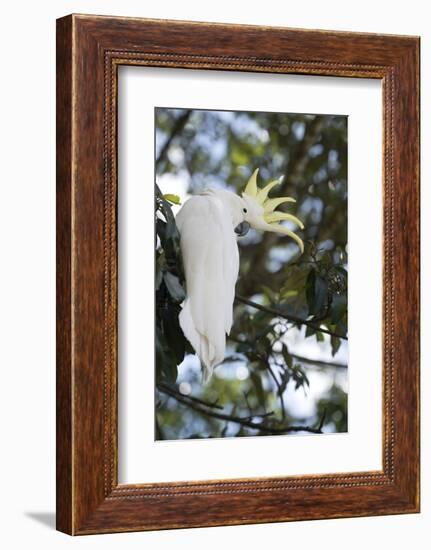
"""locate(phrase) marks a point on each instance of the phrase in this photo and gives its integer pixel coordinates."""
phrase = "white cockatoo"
(209, 225)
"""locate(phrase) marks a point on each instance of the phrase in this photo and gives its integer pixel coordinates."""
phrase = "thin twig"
(322, 420)
(318, 362)
(280, 393)
(291, 318)
(300, 358)
(167, 389)
(269, 430)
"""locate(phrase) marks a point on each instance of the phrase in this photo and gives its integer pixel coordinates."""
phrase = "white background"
(141, 459)
(27, 276)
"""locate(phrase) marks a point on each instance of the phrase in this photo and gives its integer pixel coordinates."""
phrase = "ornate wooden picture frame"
(89, 51)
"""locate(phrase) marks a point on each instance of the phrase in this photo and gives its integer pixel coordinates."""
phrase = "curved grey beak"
(242, 229)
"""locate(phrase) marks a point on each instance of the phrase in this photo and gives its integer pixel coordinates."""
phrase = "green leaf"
(174, 287)
(293, 289)
(299, 376)
(285, 377)
(341, 326)
(173, 334)
(316, 292)
(290, 294)
(269, 294)
(335, 344)
(320, 337)
(338, 307)
(161, 230)
(286, 356)
(172, 230)
(309, 331)
(174, 199)
(263, 344)
(160, 266)
(320, 295)
(169, 236)
(264, 331)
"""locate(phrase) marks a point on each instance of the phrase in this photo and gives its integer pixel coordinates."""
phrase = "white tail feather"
(209, 355)
(211, 263)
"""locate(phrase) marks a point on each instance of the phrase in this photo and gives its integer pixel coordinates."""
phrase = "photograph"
(251, 276)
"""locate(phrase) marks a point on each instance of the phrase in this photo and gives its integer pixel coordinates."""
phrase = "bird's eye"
(244, 210)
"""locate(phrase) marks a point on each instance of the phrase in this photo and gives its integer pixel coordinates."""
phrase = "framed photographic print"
(237, 274)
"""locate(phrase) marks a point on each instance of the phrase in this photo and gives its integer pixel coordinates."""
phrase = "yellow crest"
(269, 205)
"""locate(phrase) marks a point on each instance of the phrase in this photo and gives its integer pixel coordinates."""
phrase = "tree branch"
(318, 362)
(178, 126)
(169, 389)
(300, 358)
(279, 390)
(246, 422)
(291, 318)
(322, 420)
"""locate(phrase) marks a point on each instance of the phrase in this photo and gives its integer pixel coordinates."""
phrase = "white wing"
(211, 263)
